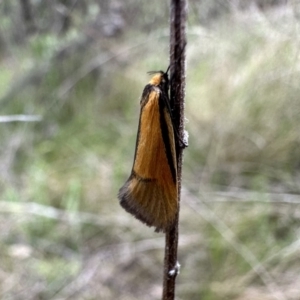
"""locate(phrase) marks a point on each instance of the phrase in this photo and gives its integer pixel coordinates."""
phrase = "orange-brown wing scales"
(150, 193)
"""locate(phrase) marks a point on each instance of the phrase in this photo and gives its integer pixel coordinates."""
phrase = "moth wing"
(150, 193)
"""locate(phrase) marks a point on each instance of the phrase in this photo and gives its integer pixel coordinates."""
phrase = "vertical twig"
(27, 15)
(177, 75)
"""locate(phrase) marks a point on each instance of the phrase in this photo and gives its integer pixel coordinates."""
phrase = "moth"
(150, 193)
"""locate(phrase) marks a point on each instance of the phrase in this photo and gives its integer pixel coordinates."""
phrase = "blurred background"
(71, 74)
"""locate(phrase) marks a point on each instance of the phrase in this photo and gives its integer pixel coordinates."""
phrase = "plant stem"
(177, 92)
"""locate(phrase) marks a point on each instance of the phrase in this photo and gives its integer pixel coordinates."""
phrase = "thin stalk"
(177, 93)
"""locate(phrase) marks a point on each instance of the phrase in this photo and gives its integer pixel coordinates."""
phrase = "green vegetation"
(64, 235)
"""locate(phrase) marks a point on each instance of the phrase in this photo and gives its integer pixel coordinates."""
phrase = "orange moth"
(150, 193)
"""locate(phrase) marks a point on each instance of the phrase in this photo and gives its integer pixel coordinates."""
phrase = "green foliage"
(59, 178)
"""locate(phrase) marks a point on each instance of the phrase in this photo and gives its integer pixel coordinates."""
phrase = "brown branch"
(177, 92)
(27, 15)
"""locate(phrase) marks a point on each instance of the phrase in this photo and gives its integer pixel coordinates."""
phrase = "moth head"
(160, 79)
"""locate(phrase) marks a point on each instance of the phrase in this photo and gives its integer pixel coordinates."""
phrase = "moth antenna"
(168, 69)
